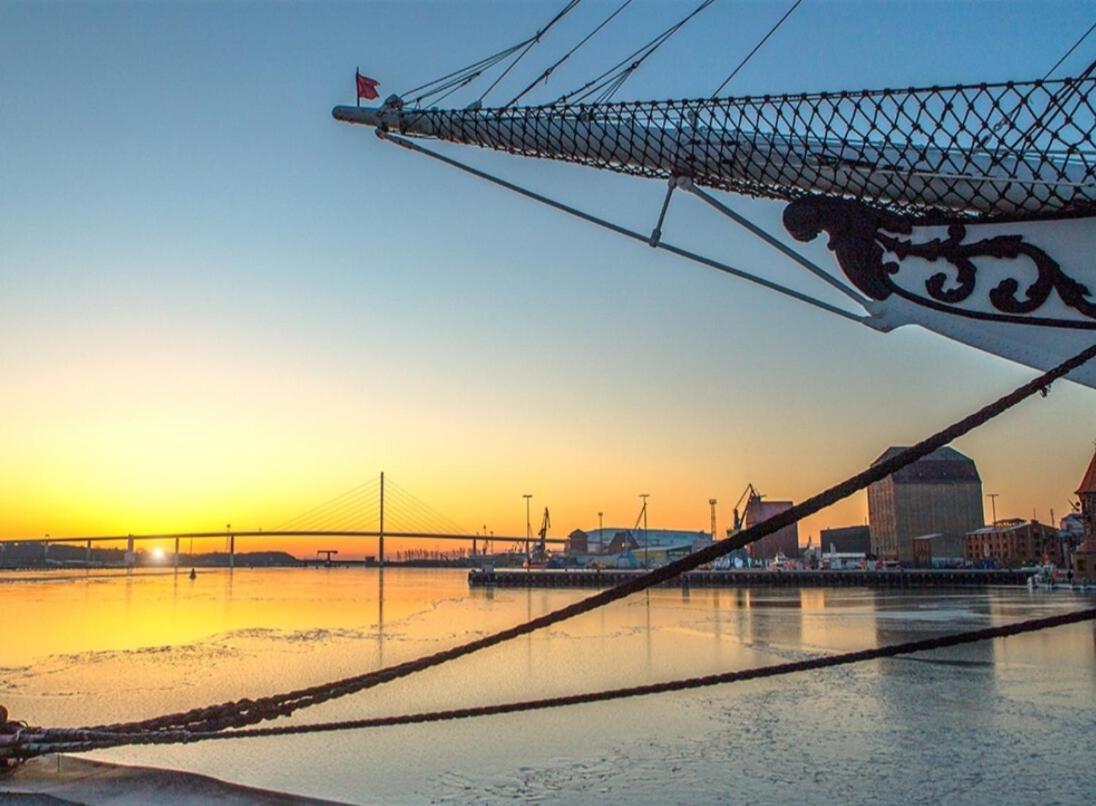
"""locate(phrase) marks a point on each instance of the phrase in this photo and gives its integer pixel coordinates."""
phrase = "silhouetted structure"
(578, 542)
(785, 541)
(846, 540)
(940, 494)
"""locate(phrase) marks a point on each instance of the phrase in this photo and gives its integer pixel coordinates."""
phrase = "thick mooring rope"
(241, 713)
(83, 742)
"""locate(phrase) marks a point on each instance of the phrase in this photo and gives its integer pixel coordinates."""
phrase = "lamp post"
(600, 530)
(712, 502)
(993, 504)
(528, 525)
(646, 538)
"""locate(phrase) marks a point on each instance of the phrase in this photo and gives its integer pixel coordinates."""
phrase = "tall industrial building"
(785, 541)
(940, 494)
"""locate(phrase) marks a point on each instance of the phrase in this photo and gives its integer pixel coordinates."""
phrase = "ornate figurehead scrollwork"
(862, 238)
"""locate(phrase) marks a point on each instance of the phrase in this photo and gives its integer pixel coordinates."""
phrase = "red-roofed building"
(1088, 483)
(1084, 558)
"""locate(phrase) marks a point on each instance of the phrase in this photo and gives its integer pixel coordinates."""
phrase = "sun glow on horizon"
(228, 329)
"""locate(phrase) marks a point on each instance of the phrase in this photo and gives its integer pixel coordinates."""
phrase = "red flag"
(367, 87)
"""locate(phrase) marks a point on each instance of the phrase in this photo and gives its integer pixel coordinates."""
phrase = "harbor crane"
(539, 555)
(748, 495)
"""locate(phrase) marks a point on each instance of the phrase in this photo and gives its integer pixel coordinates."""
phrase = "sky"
(222, 306)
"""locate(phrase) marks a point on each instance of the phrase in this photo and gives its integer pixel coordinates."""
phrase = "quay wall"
(911, 578)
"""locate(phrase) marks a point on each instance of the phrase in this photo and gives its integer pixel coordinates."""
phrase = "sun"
(158, 554)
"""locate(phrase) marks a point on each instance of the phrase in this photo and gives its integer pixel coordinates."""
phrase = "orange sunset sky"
(220, 306)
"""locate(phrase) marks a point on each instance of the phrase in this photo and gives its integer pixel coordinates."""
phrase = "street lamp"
(528, 524)
(600, 528)
(646, 537)
(993, 503)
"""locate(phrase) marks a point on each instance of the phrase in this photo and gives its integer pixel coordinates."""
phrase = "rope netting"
(982, 151)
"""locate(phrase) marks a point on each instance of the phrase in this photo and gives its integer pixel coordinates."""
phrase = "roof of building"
(659, 538)
(942, 466)
(1088, 483)
(838, 531)
(1013, 525)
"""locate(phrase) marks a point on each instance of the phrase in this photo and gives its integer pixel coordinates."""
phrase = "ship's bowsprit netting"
(982, 151)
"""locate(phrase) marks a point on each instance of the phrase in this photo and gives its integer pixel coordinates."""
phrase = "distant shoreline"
(256, 560)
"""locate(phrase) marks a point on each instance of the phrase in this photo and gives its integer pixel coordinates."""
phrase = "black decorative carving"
(860, 236)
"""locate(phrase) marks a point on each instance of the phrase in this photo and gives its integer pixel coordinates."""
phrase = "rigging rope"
(1005, 119)
(1066, 55)
(548, 72)
(81, 741)
(656, 243)
(566, 10)
(459, 78)
(248, 712)
(1056, 105)
(608, 82)
(756, 48)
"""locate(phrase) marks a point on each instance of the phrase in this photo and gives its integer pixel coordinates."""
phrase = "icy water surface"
(1010, 721)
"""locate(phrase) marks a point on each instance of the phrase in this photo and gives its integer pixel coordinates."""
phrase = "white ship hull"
(1020, 290)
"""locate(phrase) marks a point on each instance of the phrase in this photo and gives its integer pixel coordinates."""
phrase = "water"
(1010, 721)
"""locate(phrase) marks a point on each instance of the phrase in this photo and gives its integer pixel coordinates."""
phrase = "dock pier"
(741, 578)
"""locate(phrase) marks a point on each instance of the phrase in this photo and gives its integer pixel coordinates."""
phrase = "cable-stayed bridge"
(378, 509)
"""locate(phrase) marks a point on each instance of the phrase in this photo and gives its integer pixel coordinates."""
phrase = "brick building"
(936, 551)
(1012, 543)
(940, 494)
(785, 541)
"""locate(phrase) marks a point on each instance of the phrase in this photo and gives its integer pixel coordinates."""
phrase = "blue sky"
(224, 305)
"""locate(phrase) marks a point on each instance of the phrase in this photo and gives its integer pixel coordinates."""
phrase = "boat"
(968, 210)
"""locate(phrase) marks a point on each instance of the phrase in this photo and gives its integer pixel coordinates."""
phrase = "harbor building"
(939, 495)
(936, 551)
(1074, 526)
(578, 542)
(785, 541)
(1016, 542)
(625, 547)
(845, 540)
